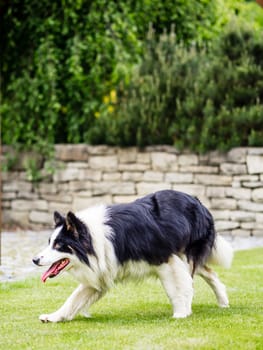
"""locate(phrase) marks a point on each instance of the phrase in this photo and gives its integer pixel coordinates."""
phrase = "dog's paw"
(223, 301)
(85, 314)
(224, 305)
(180, 314)
(50, 318)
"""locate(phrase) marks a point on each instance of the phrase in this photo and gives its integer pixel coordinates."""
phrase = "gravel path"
(18, 249)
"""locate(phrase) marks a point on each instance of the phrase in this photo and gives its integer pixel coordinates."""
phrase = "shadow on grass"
(123, 317)
(164, 315)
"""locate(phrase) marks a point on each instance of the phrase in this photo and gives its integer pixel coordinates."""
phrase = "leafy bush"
(61, 58)
(230, 85)
(145, 107)
(190, 97)
(68, 55)
(64, 63)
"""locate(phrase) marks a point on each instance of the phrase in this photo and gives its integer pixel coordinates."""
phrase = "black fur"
(161, 224)
(74, 237)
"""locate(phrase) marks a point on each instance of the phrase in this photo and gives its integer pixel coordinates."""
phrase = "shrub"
(145, 106)
(230, 82)
(60, 59)
(68, 55)
(195, 98)
(64, 62)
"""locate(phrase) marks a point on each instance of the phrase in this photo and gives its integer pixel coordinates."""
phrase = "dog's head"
(69, 244)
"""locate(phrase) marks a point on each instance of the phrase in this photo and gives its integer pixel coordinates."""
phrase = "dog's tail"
(222, 253)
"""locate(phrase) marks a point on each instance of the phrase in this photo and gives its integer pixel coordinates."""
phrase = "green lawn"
(138, 316)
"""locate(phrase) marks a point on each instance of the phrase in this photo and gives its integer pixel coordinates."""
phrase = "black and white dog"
(168, 234)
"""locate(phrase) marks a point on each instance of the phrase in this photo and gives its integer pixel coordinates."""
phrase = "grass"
(138, 316)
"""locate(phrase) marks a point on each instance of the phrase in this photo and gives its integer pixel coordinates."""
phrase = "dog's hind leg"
(217, 286)
(83, 296)
(178, 284)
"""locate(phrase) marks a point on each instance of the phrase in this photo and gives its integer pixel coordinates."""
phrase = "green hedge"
(61, 58)
(189, 97)
(84, 71)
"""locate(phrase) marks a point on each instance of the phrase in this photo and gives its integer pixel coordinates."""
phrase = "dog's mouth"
(55, 269)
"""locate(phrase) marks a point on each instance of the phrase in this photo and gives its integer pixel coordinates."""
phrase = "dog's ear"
(58, 219)
(80, 231)
(72, 223)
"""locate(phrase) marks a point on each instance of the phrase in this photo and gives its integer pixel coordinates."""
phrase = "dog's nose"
(36, 261)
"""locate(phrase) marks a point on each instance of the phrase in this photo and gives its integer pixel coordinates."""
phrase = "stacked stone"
(230, 184)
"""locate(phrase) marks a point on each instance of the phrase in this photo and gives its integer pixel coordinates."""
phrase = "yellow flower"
(110, 109)
(106, 99)
(97, 114)
(110, 98)
(113, 96)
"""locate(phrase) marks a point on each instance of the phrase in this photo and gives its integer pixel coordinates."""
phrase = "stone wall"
(230, 185)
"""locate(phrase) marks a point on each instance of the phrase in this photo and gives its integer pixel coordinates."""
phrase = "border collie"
(168, 234)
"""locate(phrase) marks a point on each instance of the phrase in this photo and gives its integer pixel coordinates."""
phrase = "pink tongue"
(52, 271)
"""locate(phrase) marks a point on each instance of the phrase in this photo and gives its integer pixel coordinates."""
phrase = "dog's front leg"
(82, 296)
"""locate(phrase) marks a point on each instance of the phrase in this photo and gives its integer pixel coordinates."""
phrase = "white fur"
(217, 286)
(178, 285)
(104, 271)
(83, 296)
(48, 256)
(222, 253)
